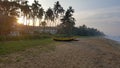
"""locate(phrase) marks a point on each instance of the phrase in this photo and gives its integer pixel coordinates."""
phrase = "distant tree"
(85, 31)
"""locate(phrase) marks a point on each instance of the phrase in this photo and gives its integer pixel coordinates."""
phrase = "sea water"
(115, 38)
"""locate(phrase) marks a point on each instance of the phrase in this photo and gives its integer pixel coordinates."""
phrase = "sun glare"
(20, 20)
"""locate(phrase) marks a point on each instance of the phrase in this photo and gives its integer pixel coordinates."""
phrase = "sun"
(20, 20)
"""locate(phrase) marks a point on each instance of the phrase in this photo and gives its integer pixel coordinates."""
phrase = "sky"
(101, 14)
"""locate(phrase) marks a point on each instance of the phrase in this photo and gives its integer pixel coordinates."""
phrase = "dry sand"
(85, 53)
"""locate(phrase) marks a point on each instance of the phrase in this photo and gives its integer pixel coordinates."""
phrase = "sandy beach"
(85, 53)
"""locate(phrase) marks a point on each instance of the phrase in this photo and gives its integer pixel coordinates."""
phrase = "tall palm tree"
(25, 8)
(58, 11)
(40, 15)
(26, 13)
(35, 11)
(68, 21)
(49, 17)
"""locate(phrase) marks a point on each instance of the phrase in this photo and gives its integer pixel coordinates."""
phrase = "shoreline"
(112, 42)
(114, 38)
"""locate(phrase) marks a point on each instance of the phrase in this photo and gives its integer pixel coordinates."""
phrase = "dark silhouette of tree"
(26, 13)
(25, 8)
(8, 14)
(6, 24)
(35, 11)
(68, 21)
(86, 31)
(40, 15)
(58, 11)
(9, 8)
(49, 16)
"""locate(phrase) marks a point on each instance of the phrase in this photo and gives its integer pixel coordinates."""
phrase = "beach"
(90, 52)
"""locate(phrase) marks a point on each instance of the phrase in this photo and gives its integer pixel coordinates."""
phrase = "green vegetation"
(62, 20)
(86, 31)
(15, 46)
(55, 20)
(79, 31)
(68, 23)
(25, 37)
(68, 29)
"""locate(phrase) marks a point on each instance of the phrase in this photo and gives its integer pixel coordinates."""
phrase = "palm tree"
(25, 8)
(8, 14)
(58, 11)
(49, 16)
(35, 11)
(8, 8)
(40, 15)
(68, 21)
(26, 13)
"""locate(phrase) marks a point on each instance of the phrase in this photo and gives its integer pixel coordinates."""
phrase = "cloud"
(104, 19)
(105, 14)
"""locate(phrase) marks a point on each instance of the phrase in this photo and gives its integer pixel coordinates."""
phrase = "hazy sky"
(101, 14)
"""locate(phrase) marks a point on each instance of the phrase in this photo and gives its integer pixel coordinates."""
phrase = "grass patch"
(15, 46)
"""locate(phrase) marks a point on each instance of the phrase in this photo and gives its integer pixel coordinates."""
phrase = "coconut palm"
(8, 8)
(68, 21)
(58, 11)
(68, 16)
(25, 13)
(25, 8)
(49, 15)
(35, 11)
(40, 15)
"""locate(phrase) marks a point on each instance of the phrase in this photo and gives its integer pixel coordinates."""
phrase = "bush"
(24, 37)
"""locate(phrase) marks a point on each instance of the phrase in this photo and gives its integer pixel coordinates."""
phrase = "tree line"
(57, 16)
(13, 9)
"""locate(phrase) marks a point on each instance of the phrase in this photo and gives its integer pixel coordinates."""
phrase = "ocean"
(115, 38)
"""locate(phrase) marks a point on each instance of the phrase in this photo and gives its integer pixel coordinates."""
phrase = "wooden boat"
(63, 39)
